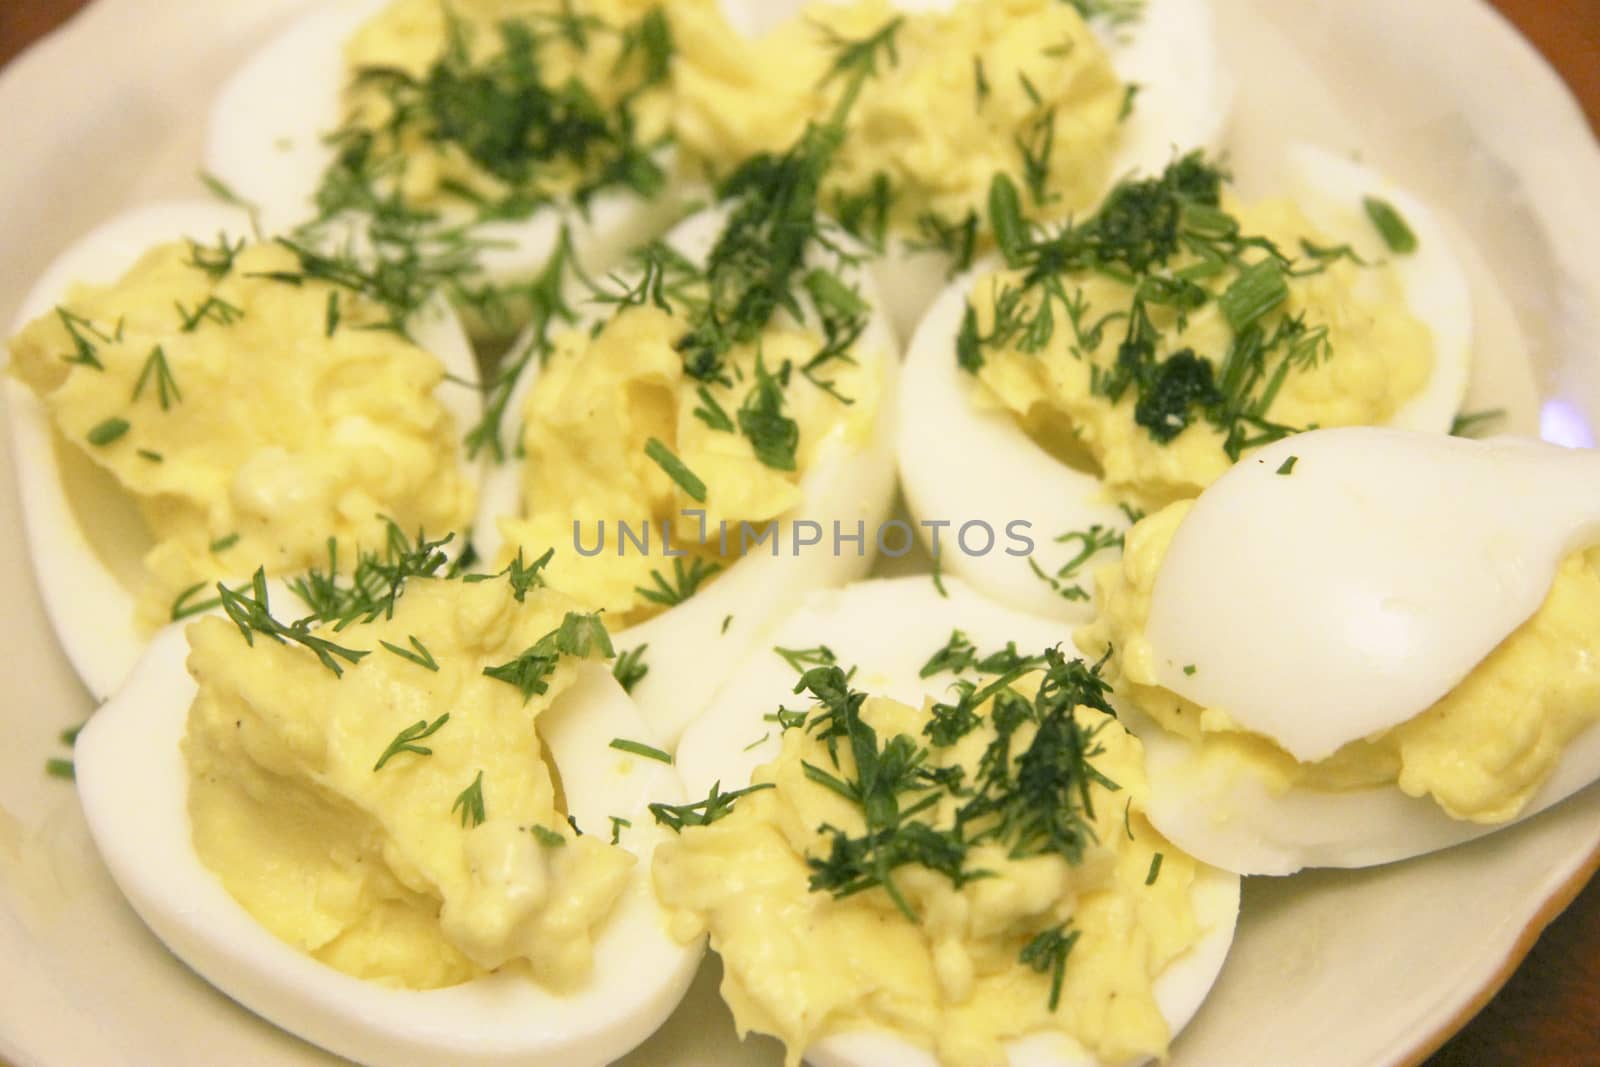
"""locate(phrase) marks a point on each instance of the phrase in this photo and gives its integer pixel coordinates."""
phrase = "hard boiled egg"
(693, 645)
(84, 532)
(1167, 49)
(887, 630)
(962, 461)
(130, 749)
(1337, 586)
(266, 143)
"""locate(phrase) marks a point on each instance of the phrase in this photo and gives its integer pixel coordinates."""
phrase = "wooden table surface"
(1548, 1013)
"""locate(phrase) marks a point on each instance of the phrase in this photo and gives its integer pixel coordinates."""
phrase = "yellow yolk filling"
(594, 45)
(385, 874)
(1374, 356)
(246, 430)
(598, 403)
(803, 965)
(966, 94)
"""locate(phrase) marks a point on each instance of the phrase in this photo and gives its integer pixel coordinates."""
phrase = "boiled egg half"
(131, 749)
(85, 534)
(884, 633)
(1362, 645)
(965, 461)
(847, 490)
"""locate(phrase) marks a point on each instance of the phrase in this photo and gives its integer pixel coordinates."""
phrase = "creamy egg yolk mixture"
(249, 421)
(1358, 355)
(804, 964)
(1019, 87)
(601, 399)
(501, 104)
(1481, 751)
(436, 866)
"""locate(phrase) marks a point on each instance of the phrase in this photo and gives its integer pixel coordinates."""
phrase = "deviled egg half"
(189, 401)
(709, 445)
(484, 136)
(1361, 645)
(411, 827)
(942, 94)
(952, 825)
(1126, 361)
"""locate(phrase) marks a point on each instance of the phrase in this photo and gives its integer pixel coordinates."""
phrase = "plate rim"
(1547, 91)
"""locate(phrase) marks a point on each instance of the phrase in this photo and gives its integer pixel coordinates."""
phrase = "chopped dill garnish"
(801, 660)
(1391, 225)
(470, 803)
(1136, 236)
(406, 740)
(213, 309)
(522, 575)
(106, 432)
(715, 806)
(631, 668)
(374, 585)
(1091, 543)
(417, 653)
(1047, 954)
(252, 614)
(216, 261)
(158, 370)
(686, 581)
(676, 469)
(579, 635)
(639, 748)
(1033, 802)
(1476, 423)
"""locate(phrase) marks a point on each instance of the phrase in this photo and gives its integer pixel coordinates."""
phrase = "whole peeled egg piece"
(966, 459)
(693, 645)
(1335, 586)
(882, 632)
(131, 749)
(85, 535)
(1167, 49)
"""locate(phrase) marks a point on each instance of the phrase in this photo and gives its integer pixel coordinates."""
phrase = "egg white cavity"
(1330, 189)
(84, 533)
(1367, 582)
(265, 141)
(960, 462)
(695, 644)
(1185, 94)
(887, 629)
(130, 749)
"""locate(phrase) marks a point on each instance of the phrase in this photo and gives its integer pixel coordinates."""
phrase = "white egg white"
(887, 629)
(1363, 587)
(1184, 99)
(130, 749)
(265, 142)
(84, 533)
(962, 462)
(694, 645)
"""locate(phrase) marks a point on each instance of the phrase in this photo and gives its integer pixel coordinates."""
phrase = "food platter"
(1373, 967)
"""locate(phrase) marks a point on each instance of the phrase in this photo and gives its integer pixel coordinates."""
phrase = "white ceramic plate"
(1337, 970)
